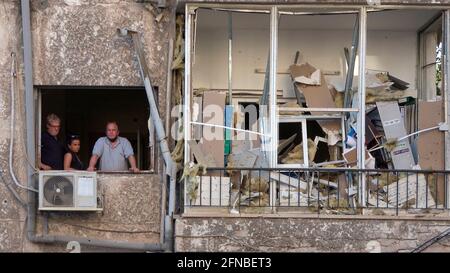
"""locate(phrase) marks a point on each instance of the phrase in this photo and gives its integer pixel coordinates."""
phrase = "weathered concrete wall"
(75, 43)
(12, 215)
(305, 235)
(131, 213)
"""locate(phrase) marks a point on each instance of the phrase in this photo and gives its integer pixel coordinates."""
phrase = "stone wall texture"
(75, 43)
(266, 234)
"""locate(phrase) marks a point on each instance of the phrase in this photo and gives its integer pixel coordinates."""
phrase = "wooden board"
(430, 145)
(211, 191)
(203, 158)
(290, 181)
(408, 188)
(351, 156)
(245, 159)
(197, 116)
(343, 187)
(316, 96)
(291, 197)
(213, 138)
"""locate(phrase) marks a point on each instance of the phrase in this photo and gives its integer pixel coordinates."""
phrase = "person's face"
(75, 145)
(53, 128)
(112, 132)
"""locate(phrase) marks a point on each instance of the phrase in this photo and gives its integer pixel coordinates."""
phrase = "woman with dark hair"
(71, 159)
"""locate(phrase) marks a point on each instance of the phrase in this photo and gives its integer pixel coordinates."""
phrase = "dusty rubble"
(330, 144)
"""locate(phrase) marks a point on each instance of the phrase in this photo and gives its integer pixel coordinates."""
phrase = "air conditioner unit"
(68, 191)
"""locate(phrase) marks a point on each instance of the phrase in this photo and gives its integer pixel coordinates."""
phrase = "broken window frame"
(273, 118)
(275, 10)
(237, 103)
(425, 64)
(304, 118)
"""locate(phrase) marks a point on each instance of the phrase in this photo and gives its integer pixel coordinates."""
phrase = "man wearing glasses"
(52, 151)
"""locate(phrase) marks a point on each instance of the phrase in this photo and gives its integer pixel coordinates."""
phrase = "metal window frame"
(421, 75)
(361, 120)
(281, 9)
(446, 94)
(187, 100)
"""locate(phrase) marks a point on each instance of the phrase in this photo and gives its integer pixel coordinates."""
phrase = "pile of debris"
(320, 112)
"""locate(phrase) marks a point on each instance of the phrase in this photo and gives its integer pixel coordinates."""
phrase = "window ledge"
(126, 172)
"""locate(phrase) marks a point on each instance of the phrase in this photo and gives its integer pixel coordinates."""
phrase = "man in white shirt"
(113, 151)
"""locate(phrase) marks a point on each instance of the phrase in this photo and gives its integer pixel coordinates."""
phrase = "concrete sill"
(126, 172)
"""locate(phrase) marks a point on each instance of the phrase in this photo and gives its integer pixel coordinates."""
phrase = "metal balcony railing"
(321, 189)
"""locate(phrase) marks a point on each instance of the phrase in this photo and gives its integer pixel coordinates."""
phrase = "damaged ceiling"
(393, 20)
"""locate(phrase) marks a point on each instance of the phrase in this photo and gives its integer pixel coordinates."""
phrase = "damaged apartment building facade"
(257, 125)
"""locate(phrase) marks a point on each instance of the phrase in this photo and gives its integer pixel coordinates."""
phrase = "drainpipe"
(170, 166)
(31, 206)
(29, 106)
(167, 128)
